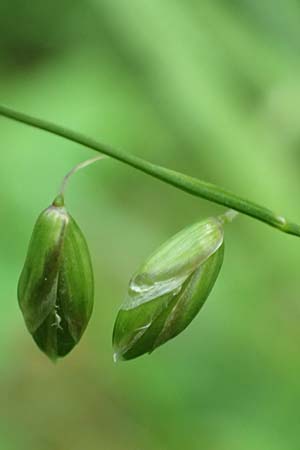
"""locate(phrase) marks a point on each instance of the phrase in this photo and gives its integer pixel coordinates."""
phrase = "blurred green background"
(210, 88)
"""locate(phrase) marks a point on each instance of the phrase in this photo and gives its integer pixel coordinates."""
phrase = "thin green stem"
(181, 181)
(75, 169)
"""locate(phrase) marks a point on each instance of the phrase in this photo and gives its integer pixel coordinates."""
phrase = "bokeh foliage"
(209, 88)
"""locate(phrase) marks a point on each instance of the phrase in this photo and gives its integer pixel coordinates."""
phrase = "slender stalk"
(228, 216)
(179, 180)
(75, 169)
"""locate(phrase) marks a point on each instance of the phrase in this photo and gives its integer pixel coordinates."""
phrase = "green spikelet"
(169, 289)
(56, 287)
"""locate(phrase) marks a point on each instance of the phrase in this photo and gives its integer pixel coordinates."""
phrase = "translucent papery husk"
(170, 288)
(55, 290)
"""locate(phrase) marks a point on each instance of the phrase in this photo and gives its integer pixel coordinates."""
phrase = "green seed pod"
(55, 290)
(169, 289)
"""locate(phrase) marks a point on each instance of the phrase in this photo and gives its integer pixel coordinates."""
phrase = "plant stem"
(179, 180)
(75, 169)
